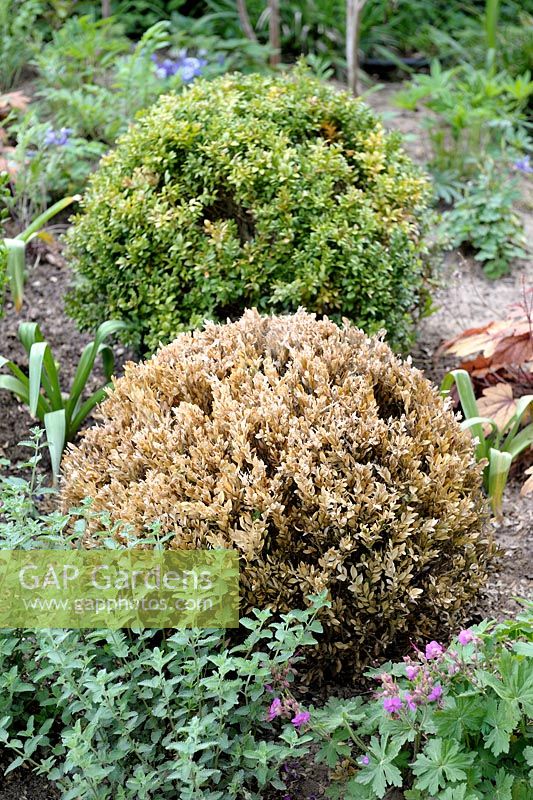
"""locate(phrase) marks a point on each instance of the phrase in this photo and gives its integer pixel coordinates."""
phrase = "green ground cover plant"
(479, 127)
(447, 723)
(139, 716)
(484, 219)
(475, 113)
(273, 192)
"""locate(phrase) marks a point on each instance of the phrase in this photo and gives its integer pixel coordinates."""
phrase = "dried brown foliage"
(8, 102)
(314, 451)
(500, 351)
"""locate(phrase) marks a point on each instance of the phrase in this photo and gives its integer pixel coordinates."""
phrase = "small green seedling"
(16, 248)
(62, 414)
(499, 446)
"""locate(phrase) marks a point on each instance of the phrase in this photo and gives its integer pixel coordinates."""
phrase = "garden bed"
(463, 297)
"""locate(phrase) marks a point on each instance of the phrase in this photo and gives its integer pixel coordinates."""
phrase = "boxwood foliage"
(327, 462)
(251, 191)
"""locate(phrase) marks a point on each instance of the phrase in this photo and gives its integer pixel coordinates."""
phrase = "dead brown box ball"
(325, 460)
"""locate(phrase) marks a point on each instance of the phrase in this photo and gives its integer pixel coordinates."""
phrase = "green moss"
(273, 192)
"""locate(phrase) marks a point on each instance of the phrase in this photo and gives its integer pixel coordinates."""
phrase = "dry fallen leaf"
(6, 164)
(527, 488)
(11, 100)
(498, 403)
(514, 350)
(500, 346)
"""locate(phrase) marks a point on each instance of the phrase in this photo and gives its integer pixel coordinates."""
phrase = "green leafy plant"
(389, 30)
(111, 714)
(14, 255)
(46, 167)
(497, 445)
(18, 20)
(467, 43)
(62, 414)
(483, 218)
(265, 191)
(475, 113)
(450, 723)
(91, 80)
(83, 50)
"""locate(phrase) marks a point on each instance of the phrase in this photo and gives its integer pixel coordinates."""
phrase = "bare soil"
(22, 784)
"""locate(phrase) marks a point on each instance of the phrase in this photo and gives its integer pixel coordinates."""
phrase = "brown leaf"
(516, 349)
(527, 488)
(6, 164)
(11, 100)
(478, 367)
(497, 403)
(474, 340)
(329, 130)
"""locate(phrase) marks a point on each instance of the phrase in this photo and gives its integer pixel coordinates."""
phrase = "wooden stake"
(274, 32)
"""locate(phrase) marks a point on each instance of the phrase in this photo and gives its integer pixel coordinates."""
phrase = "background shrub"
(273, 192)
(325, 460)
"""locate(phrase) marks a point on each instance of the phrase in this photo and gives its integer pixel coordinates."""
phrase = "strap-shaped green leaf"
(19, 385)
(108, 361)
(108, 328)
(475, 421)
(43, 371)
(85, 410)
(462, 380)
(520, 442)
(499, 466)
(14, 385)
(522, 408)
(39, 222)
(16, 269)
(29, 333)
(55, 427)
(81, 376)
(86, 364)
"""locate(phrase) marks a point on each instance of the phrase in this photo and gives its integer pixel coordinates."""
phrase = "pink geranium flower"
(435, 693)
(434, 650)
(275, 709)
(302, 718)
(392, 704)
(465, 637)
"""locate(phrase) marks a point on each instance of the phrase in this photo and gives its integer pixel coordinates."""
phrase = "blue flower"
(167, 68)
(187, 67)
(191, 68)
(523, 165)
(57, 138)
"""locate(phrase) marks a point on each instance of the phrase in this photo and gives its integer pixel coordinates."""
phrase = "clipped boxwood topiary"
(272, 192)
(322, 458)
